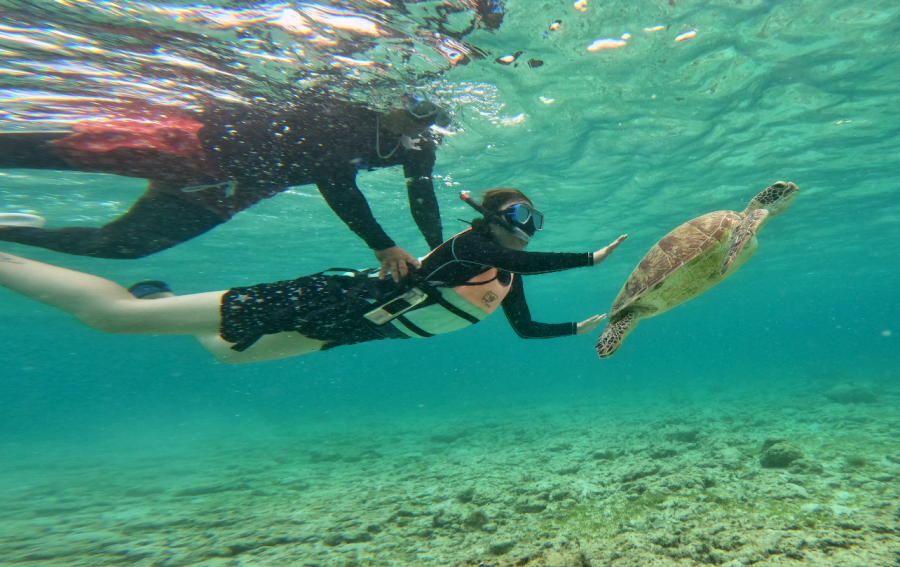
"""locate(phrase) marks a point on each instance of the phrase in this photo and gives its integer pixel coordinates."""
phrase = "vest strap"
(412, 327)
(439, 299)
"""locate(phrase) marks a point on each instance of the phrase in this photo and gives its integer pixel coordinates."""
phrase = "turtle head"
(776, 199)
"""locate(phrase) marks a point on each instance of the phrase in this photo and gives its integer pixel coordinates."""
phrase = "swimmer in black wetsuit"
(205, 169)
(460, 283)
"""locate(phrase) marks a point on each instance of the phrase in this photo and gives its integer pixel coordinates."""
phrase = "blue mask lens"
(525, 217)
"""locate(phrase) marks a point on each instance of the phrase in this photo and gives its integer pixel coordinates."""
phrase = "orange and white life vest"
(456, 308)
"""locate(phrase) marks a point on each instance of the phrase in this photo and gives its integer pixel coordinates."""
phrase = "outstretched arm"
(471, 248)
(519, 316)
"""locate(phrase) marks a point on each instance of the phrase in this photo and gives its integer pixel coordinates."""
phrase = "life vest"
(452, 308)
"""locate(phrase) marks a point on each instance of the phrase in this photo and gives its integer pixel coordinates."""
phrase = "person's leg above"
(31, 150)
(155, 222)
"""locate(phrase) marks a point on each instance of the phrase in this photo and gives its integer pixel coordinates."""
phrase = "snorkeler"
(459, 283)
(204, 169)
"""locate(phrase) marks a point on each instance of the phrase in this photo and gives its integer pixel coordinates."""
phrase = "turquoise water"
(104, 437)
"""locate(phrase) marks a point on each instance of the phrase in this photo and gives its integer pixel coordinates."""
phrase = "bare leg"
(269, 347)
(107, 306)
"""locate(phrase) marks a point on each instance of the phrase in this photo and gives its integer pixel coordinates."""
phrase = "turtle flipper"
(742, 235)
(615, 332)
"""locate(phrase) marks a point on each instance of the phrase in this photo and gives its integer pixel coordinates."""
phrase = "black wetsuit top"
(468, 254)
(325, 142)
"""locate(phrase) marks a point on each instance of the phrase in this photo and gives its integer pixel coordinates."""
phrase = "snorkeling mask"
(525, 217)
(521, 220)
(421, 109)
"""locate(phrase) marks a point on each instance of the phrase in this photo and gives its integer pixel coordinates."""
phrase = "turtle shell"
(673, 252)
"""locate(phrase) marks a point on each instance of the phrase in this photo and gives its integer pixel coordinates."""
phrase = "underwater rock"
(780, 455)
(852, 393)
(606, 455)
(465, 496)
(442, 520)
(528, 506)
(639, 472)
(788, 491)
(476, 519)
(554, 558)
(804, 466)
(501, 547)
(358, 537)
(560, 447)
(663, 453)
(560, 495)
(772, 440)
(731, 458)
(855, 462)
(335, 539)
(683, 435)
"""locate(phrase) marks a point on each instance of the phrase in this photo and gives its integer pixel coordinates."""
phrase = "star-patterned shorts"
(329, 308)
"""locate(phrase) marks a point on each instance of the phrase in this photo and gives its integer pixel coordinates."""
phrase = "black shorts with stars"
(326, 307)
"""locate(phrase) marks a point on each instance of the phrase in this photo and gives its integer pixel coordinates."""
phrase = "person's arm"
(348, 202)
(519, 316)
(472, 248)
(423, 203)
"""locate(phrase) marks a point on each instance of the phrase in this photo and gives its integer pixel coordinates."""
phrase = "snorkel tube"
(498, 218)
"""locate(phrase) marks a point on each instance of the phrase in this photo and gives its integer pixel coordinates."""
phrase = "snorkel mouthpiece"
(496, 217)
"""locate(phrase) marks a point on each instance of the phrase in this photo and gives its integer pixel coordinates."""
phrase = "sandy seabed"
(801, 475)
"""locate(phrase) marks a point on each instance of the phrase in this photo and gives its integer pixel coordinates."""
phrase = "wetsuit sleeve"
(348, 202)
(423, 203)
(472, 248)
(519, 316)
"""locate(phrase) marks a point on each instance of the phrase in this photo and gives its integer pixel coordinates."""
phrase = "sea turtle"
(690, 260)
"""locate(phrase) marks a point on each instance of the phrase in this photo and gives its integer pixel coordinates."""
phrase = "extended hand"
(394, 261)
(588, 325)
(601, 254)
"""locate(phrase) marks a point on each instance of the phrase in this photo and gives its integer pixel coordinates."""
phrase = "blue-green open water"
(637, 140)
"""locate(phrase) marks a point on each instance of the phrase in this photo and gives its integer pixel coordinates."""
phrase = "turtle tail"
(615, 332)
